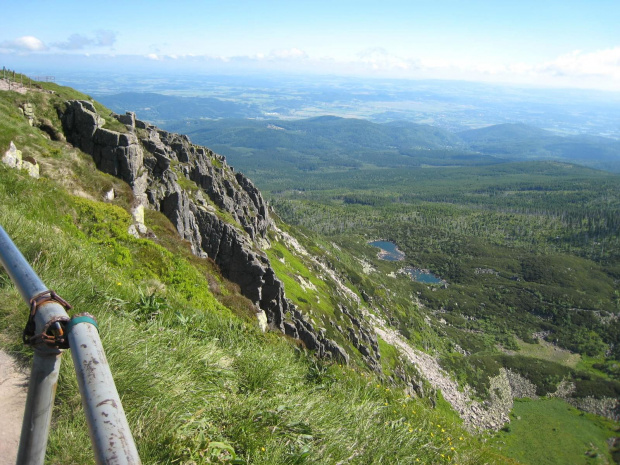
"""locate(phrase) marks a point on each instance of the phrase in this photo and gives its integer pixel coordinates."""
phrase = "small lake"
(389, 251)
(422, 276)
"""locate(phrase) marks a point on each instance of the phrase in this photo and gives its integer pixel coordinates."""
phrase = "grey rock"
(129, 119)
(337, 352)
(13, 158)
(291, 330)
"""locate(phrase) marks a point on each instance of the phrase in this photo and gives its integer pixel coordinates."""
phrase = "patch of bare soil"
(13, 389)
(5, 84)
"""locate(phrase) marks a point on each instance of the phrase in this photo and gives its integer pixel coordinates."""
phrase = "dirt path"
(14, 86)
(13, 388)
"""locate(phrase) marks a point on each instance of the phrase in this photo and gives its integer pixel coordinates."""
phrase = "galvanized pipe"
(46, 361)
(23, 276)
(109, 431)
(38, 411)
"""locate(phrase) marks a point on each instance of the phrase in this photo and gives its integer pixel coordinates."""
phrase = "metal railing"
(49, 331)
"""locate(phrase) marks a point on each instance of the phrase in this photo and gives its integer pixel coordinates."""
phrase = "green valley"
(530, 250)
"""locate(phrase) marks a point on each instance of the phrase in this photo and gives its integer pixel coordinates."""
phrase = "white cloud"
(74, 42)
(281, 55)
(379, 59)
(287, 54)
(602, 63)
(153, 56)
(24, 44)
(105, 38)
(598, 69)
(101, 38)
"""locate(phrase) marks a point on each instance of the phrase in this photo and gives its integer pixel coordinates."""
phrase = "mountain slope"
(200, 382)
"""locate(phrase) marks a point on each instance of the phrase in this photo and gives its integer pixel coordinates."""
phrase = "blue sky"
(564, 43)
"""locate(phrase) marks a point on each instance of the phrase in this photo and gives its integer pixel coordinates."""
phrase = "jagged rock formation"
(220, 212)
(363, 339)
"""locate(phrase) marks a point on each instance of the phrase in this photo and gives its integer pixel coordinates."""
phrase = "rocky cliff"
(220, 212)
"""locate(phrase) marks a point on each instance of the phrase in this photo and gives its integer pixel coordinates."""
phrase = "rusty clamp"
(53, 334)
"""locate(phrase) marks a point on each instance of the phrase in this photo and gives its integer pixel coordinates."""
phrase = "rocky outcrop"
(521, 387)
(363, 339)
(27, 109)
(606, 407)
(14, 159)
(220, 212)
(118, 154)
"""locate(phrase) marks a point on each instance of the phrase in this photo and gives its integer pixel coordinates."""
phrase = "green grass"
(546, 351)
(551, 432)
(389, 357)
(302, 284)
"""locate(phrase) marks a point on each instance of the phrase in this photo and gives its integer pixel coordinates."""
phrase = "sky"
(543, 43)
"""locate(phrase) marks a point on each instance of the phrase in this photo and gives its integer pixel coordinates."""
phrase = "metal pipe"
(109, 431)
(19, 270)
(46, 361)
(107, 425)
(38, 411)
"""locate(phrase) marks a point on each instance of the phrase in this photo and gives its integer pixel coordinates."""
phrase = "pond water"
(422, 276)
(389, 251)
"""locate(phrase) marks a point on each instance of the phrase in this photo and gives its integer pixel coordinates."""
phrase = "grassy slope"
(199, 382)
(555, 434)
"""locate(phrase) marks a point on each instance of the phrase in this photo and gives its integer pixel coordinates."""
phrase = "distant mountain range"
(527, 142)
(156, 108)
(239, 131)
(326, 142)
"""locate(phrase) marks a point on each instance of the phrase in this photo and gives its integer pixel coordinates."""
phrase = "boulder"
(13, 158)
